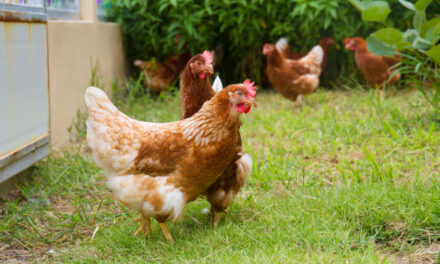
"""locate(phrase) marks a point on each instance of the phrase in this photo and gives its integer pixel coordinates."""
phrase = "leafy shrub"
(241, 27)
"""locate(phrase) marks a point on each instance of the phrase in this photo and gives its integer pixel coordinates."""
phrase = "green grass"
(345, 177)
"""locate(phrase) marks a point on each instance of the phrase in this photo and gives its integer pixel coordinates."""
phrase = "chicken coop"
(25, 91)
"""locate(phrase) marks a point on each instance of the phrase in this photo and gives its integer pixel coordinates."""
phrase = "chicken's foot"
(166, 232)
(381, 94)
(299, 100)
(217, 216)
(145, 225)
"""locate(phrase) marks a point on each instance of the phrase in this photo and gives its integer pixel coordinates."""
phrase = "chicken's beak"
(209, 70)
(251, 102)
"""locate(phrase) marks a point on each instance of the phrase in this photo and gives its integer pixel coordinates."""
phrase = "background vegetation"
(243, 26)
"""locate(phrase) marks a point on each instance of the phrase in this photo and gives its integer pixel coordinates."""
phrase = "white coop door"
(24, 95)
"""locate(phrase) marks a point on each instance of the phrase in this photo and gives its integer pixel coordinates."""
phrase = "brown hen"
(195, 91)
(375, 69)
(293, 78)
(159, 76)
(157, 169)
(283, 46)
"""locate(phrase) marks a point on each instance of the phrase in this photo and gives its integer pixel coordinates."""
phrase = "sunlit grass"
(347, 176)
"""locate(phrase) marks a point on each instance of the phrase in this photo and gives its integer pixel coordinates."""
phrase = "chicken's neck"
(274, 58)
(214, 122)
(190, 81)
(361, 48)
(193, 94)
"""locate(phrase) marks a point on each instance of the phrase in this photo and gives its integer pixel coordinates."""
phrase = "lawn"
(346, 178)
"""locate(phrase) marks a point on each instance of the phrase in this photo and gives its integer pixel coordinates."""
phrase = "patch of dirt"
(15, 254)
(14, 195)
(62, 204)
(423, 255)
(354, 156)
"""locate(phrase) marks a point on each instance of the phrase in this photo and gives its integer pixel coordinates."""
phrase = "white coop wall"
(46, 49)
(24, 94)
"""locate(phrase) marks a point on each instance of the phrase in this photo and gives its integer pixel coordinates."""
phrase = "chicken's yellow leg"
(299, 100)
(217, 216)
(145, 225)
(166, 232)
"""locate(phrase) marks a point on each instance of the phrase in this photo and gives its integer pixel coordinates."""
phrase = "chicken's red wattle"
(242, 108)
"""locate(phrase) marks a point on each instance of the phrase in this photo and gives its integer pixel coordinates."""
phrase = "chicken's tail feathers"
(138, 63)
(244, 166)
(318, 54)
(97, 99)
(217, 85)
(282, 44)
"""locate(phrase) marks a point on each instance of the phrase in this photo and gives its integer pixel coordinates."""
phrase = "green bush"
(241, 27)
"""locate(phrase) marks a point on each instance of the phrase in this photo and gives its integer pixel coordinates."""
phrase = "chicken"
(283, 46)
(293, 78)
(196, 88)
(375, 69)
(195, 91)
(160, 76)
(156, 169)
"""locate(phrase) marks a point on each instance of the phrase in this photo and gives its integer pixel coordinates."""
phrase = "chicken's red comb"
(347, 41)
(209, 57)
(250, 88)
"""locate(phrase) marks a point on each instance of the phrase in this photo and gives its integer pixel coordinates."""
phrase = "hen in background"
(293, 78)
(283, 46)
(196, 87)
(196, 90)
(376, 69)
(156, 169)
(159, 76)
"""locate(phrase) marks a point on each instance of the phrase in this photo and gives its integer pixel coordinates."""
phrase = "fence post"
(88, 10)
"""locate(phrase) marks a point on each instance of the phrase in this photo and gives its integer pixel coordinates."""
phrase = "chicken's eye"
(240, 93)
(198, 63)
